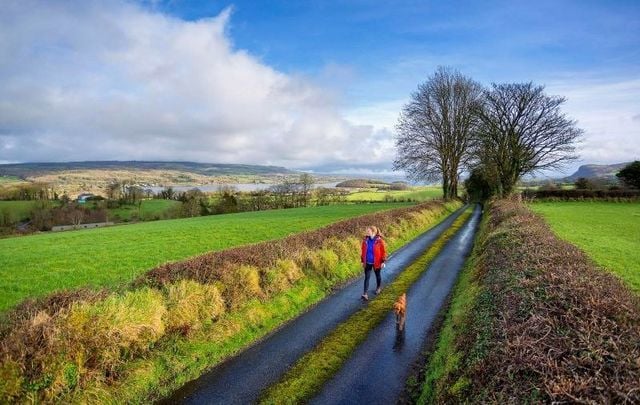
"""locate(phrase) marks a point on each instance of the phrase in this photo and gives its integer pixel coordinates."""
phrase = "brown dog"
(400, 308)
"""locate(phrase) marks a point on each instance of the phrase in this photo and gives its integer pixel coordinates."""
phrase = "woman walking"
(373, 255)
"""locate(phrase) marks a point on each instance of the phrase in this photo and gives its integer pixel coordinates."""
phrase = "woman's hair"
(375, 229)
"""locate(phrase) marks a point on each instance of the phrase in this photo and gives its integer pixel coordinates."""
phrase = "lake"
(238, 186)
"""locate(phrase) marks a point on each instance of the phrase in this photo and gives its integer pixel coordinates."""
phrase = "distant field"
(148, 209)
(609, 232)
(19, 210)
(9, 179)
(561, 186)
(39, 264)
(416, 193)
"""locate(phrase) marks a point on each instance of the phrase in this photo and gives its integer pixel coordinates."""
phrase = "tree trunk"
(453, 188)
(445, 187)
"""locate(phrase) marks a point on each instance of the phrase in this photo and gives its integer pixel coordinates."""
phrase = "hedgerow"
(580, 194)
(67, 344)
(535, 320)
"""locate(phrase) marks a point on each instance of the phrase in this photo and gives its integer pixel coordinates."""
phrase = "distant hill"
(596, 171)
(25, 170)
(361, 183)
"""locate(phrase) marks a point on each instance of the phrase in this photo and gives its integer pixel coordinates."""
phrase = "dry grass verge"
(537, 321)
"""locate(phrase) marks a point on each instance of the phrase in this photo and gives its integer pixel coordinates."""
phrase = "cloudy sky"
(305, 84)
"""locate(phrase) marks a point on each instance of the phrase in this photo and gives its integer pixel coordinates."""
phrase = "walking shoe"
(378, 290)
(365, 297)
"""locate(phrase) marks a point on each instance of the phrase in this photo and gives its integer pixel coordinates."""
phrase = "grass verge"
(446, 358)
(306, 377)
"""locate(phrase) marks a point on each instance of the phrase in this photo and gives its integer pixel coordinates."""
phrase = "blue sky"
(387, 47)
(278, 82)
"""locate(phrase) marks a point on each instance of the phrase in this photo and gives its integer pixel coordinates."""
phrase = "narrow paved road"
(377, 370)
(241, 378)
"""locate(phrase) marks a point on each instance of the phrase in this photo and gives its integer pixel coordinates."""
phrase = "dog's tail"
(401, 304)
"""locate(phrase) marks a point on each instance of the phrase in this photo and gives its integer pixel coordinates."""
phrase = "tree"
(227, 201)
(113, 190)
(584, 183)
(41, 215)
(191, 202)
(435, 129)
(630, 174)
(522, 130)
(306, 185)
(76, 215)
(478, 186)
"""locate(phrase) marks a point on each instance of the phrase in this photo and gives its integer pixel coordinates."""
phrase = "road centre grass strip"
(313, 369)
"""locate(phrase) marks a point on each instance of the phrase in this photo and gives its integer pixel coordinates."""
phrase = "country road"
(377, 370)
(243, 377)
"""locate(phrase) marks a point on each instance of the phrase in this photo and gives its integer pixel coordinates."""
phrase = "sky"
(311, 85)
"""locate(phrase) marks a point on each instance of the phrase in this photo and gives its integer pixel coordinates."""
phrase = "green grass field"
(148, 210)
(415, 193)
(9, 179)
(18, 210)
(608, 231)
(39, 264)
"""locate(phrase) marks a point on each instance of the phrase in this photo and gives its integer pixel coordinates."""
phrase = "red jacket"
(379, 252)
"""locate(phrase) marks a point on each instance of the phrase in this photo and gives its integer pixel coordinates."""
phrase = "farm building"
(82, 198)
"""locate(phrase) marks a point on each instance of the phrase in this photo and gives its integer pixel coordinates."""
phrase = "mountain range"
(596, 171)
(26, 170)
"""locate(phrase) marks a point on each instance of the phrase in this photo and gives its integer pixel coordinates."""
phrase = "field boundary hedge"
(123, 345)
(533, 319)
(574, 194)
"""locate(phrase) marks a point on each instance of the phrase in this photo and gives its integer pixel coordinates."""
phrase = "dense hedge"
(582, 194)
(209, 267)
(537, 321)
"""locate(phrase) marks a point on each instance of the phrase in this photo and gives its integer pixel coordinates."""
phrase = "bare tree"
(113, 190)
(522, 130)
(76, 215)
(306, 186)
(435, 129)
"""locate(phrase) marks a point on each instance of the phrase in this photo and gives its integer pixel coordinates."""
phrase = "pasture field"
(414, 193)
(17, 210)
(609, 232)
(39, 264)
(148, 210)
(20, 210)
(9, 179)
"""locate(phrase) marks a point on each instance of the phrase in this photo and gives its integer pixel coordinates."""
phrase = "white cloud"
(606, 110)
(82, 81)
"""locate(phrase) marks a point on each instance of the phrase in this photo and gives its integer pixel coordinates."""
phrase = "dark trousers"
(367, 273)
